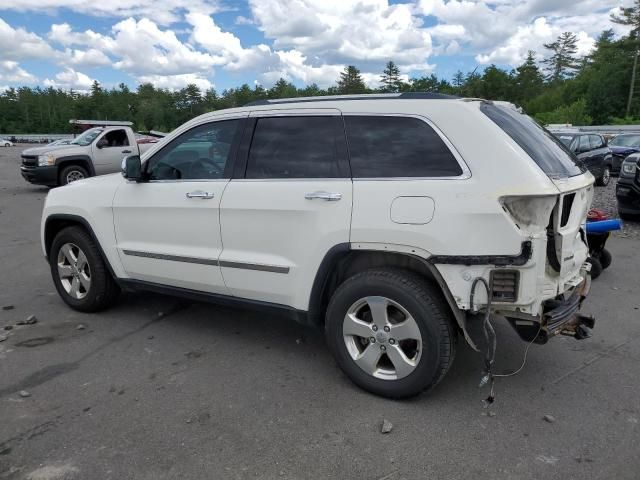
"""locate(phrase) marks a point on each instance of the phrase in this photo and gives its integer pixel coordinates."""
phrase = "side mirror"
(102, 143)
(132, 168)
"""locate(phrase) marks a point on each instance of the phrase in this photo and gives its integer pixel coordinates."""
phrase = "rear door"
(587, 155)
(599, 152)
(168, 229)
(290, 204)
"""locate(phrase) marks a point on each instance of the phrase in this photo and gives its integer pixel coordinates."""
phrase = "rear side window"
(297, 147)
(543, 148)
(584, 144)
(385, 146)
(596, 141)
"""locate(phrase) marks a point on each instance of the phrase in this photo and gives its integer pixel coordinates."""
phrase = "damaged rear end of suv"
(542, 296)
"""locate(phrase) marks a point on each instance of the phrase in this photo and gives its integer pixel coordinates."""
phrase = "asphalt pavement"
(157, 388)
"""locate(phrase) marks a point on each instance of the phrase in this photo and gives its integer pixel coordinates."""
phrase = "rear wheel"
(79, 272)
(71, 174)
(390, 332)
(596, 267)
(604, 179)
(605, 258)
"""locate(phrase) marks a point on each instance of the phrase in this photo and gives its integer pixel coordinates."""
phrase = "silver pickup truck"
(97, 151)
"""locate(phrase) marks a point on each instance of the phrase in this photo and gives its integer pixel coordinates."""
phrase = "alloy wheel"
(382, 338)
(74, 175)
(74, 271)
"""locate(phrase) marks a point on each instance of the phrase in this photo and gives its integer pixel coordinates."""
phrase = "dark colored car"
(628, 187)
(592, 151)
(621, 147)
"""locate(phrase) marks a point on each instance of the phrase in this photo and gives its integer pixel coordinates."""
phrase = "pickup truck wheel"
(603, 181)
(71, 174)
(79, 272)
(390, 332)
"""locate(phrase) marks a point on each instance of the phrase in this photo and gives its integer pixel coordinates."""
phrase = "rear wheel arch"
(341, 263)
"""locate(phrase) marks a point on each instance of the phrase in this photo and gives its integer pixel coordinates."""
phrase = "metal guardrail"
(34, 137)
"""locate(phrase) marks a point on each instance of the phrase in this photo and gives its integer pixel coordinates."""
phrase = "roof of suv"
(365, 96)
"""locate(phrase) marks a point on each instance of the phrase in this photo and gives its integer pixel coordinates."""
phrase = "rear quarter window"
(543, 148)
(388, 146)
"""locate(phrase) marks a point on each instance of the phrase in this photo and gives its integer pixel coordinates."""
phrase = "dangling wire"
(490, 337)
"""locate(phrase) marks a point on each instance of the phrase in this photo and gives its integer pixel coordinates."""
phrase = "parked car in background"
(62, 141)
(378, 217)
(5, 143)
(97, 151)
(628, 186)
(592, 151)
(621, 147)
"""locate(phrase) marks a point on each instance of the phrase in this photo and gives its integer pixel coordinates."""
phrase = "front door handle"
(126, 151)
(200, 194)
(328, 196)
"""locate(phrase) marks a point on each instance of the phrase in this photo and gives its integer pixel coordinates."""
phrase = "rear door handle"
(126, 151)
(328, 196)
(200, 194)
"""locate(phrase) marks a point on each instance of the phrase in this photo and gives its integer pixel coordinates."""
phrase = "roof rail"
(365, 96)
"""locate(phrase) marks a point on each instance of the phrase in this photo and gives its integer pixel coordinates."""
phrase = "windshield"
(625, 141)
(87, 137)
(551, 155)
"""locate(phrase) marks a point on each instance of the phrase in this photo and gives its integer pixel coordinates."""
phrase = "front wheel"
(390, 332)
(604, 179)
(79, 273)
(71, 174)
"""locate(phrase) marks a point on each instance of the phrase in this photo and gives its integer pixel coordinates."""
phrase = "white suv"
(370, 215)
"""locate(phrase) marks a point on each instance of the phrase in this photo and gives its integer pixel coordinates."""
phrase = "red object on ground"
(595, 215)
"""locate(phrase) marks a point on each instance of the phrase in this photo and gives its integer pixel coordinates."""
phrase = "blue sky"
(223, 43)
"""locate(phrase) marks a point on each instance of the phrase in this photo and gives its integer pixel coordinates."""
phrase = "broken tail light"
(529, 213)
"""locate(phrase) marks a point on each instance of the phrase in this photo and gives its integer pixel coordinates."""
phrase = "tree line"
(563, 88)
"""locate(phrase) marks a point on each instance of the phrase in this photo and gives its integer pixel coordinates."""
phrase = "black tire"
(72, 170)
(596, 267)
(604, 179)
(427, 307)
(605, 258)
(103, 290)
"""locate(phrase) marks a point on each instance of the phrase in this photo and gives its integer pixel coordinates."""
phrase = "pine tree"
(350, 81)
(458, 79)
(390, 78)
(562, 63)
(630, 16)
(528, 79)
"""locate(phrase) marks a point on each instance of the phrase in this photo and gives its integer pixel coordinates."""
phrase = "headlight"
(46, 160)
(629, 167)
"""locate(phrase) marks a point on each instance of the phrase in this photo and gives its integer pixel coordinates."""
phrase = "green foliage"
(391, 78)
(575, 114)
(350, 81)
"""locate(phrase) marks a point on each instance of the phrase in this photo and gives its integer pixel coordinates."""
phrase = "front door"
(168, 228)
(292, 206)
(109, 150)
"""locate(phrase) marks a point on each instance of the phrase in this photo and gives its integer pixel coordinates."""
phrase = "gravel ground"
(604, 198)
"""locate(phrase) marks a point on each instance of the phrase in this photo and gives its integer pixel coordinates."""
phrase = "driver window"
(199, 154)
(115, 138)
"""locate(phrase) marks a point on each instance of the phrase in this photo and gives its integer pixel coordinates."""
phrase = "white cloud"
(18, 44)
(69, 79)
(514, 50)
(363, 32)
(87, 58)
(12, 72)
(162, 11)
(176, 82)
